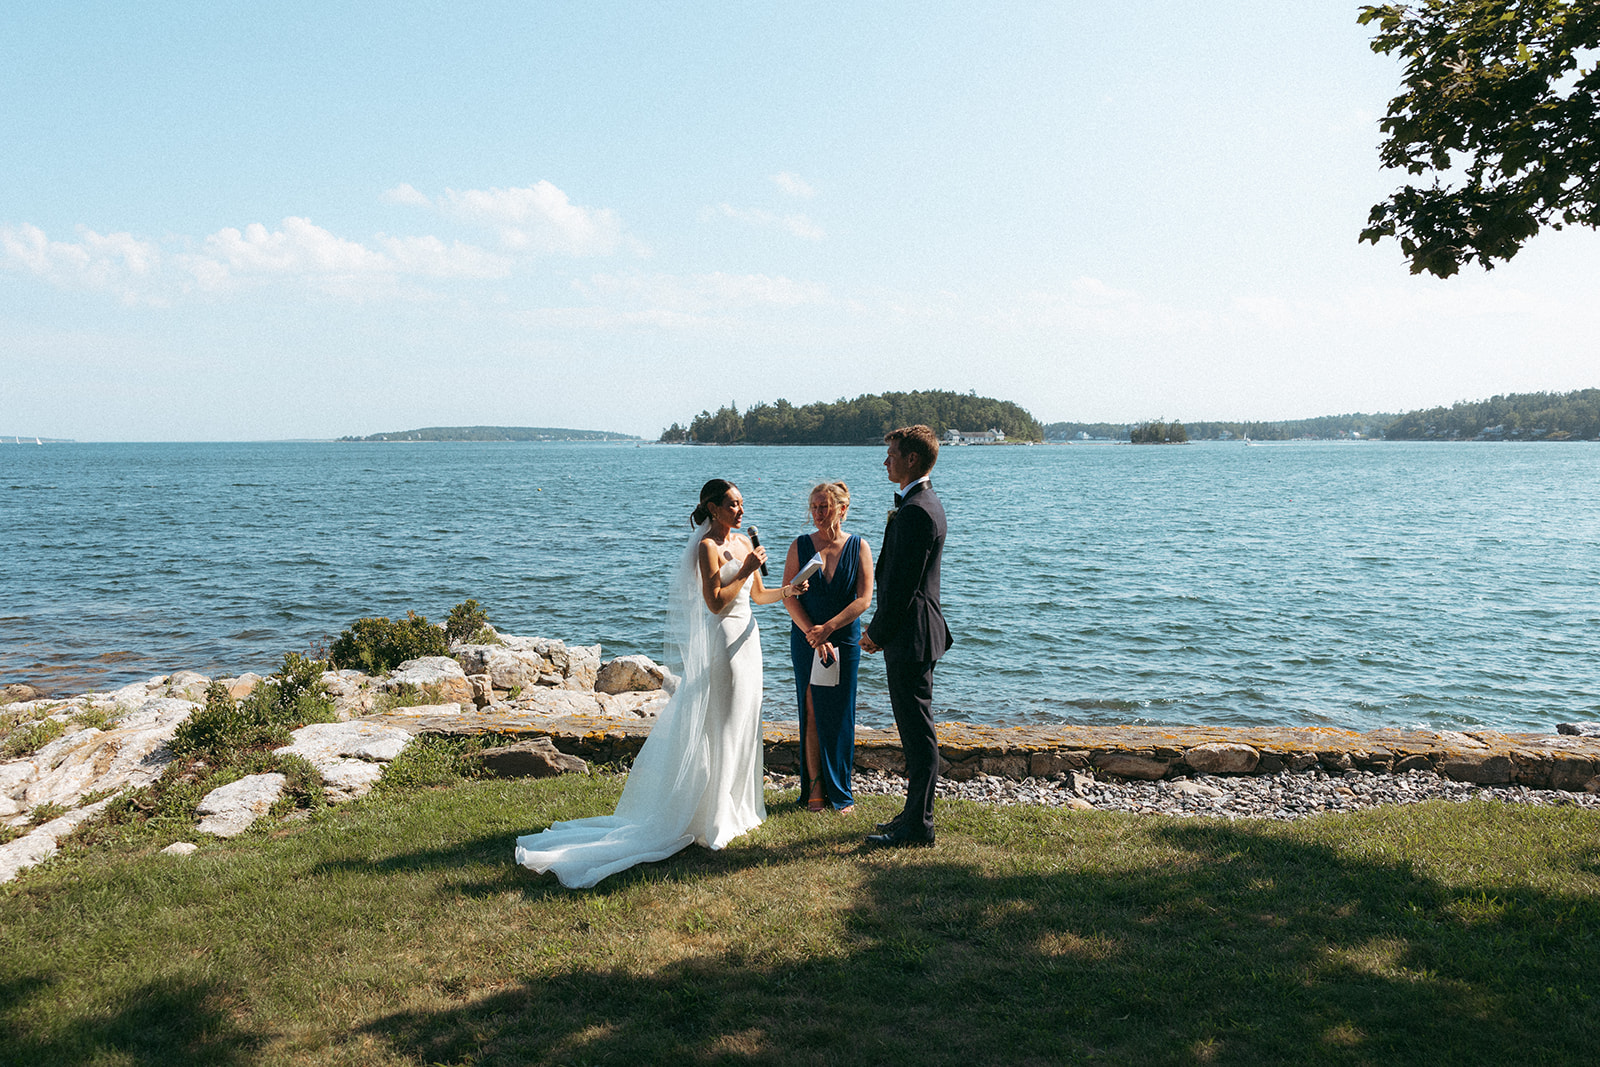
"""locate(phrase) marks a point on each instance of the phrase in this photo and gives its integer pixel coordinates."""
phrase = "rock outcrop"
(629, 674)
(230, 810)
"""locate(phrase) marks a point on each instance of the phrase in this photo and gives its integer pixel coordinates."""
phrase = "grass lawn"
(396, 930)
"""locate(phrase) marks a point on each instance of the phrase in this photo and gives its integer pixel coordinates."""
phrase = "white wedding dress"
(698, 778)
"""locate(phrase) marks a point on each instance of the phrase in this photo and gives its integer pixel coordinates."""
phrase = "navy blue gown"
(834, 705)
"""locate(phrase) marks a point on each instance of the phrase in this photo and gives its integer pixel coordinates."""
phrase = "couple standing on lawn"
(698, 778)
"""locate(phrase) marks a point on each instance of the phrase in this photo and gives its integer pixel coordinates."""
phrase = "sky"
(307, 220)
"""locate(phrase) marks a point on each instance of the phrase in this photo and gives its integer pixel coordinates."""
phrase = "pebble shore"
(1283, 796)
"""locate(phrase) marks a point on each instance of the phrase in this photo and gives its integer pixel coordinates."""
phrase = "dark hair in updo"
(713, 492)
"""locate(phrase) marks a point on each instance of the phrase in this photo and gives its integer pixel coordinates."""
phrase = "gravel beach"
(1286, 795)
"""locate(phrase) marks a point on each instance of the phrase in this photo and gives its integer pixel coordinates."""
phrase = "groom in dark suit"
(908, 626)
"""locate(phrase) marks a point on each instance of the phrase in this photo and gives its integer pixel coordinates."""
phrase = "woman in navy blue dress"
(827, 622)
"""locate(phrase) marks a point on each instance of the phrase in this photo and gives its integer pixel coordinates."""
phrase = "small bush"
(465, 620)
(378, 645)
(8, 833)
(432, 761)
(45, 812)
(304, 786)
(406, 695)
(92, 717)
(292, 697)
(27, 739)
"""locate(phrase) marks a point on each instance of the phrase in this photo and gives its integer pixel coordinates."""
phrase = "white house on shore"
(991, 436)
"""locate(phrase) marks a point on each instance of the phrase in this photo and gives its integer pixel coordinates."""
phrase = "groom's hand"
(869, 645)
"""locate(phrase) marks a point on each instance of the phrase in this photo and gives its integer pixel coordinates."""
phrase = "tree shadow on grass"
(1248, 946)
(170, 1021)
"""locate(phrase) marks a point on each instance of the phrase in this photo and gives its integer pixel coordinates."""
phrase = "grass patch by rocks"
(396, 930)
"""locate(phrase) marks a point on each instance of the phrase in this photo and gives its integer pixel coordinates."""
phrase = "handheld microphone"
(755, 542)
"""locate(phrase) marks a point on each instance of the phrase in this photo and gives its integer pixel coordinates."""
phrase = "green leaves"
(1494, 107)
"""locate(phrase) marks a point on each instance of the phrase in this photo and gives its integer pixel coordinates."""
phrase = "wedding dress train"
(698, 778)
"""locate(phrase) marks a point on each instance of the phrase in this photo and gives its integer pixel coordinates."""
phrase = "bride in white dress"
(698, 777)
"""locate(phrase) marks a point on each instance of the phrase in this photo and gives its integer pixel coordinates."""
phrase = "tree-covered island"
(861, 421)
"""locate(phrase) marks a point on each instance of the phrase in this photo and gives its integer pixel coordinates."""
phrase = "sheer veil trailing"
(654, 818)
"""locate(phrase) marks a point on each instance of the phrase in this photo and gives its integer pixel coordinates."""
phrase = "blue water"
(1359, 585)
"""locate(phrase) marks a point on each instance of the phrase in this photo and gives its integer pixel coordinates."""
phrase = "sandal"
(815, 804)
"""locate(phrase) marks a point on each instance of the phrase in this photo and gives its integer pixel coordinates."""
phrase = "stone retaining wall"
(1542, 761)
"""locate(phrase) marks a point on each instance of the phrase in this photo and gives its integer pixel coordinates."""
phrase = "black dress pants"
(911, 696)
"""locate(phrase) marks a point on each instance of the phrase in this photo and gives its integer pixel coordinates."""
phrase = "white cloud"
(796, 224)
(432, 257)
(405, 193)
(793, 185)
(300, 247)
(118, 262)
(539, 218)
(139, 271)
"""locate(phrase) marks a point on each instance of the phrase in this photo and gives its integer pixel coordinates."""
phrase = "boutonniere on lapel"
(892, 513)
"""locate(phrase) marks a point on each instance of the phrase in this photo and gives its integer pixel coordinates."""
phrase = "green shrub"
(291, 697)
(8, 833)
(465, 621)
(406, 695)
(378, 645)
(95, 717)
(303, 788)
(45, 812)
(432, 761)
(29, 738)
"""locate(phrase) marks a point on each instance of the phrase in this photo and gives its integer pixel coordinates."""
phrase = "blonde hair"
(838, 494)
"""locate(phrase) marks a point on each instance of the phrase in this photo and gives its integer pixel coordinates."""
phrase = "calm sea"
(1359, 585)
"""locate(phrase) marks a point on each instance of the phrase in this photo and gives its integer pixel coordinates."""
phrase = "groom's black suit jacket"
(908, 624)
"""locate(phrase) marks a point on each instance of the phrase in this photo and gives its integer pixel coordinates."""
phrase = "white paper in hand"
(810, 570)
(824, 674)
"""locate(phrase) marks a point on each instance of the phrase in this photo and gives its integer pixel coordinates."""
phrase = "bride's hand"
(753, 562)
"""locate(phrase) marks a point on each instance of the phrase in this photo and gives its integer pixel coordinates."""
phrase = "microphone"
(755, 542)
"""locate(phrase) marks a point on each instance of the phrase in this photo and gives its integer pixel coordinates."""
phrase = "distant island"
(863, 420)
(1323, 428)
(1573, 416)
(495, 433)
(33, 439)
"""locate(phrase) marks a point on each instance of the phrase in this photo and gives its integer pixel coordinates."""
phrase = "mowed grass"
(397, 931)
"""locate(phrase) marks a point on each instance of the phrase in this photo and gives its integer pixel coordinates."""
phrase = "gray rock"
(187, 685)
(645, 705)
(1190, 787)
(1222, 757)
(440, 672)
(347, 779)
(1579, 729)
(131, 754)
(482, 689)
(232, 809)
(244, 685)
(40, 844)
(350, 756)
(181, 848)
(1481, 770)
(505, 667)
(538, 758)
(1123, 765)
(327, 742)
(629, 674)
(541, 701)
(17, 691)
